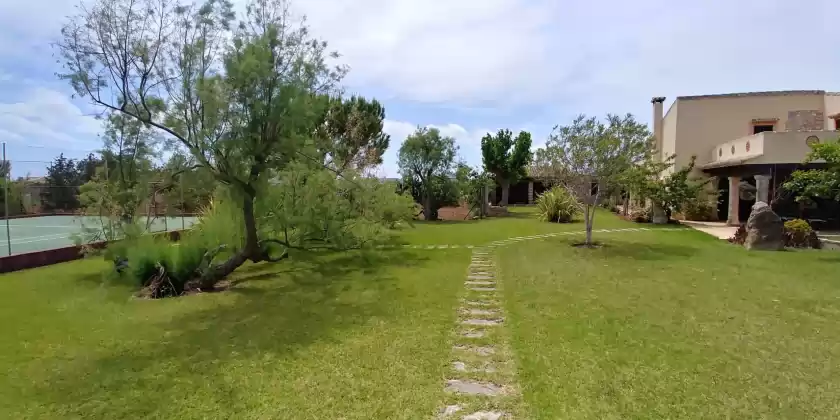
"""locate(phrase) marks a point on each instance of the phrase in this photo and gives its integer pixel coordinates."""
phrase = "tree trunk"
(251, 250)
(587, 212)
(427, 208)
(505, 192)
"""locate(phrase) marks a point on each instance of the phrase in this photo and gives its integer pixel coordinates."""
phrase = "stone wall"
(805, 120)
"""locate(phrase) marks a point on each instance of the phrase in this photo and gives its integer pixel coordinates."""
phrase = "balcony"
(767, 148)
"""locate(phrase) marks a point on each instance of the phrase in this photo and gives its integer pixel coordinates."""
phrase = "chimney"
(657, 123)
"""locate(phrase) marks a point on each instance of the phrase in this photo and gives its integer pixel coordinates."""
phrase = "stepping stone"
(481, 273)
(450, 410)
(481, 303)
(484, 415)
(474, 334)
(473, 388)
(482, 289)
(480, 312)
(479, 283)
(469, 247)
(479, 277)
(462, 367)
(481, 350)
(483, 322)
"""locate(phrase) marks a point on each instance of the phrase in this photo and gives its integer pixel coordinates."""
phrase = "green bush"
(699, 210)
(557, 205)
(640, 214)
(799, 234)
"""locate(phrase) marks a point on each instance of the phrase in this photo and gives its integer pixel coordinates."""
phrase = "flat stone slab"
(474, 334)
(484, 415)
(482, 322)
(483, 289)
(479, 350)
(478, 277)
(482, 312)
(450, 410)
(480, 283)
(481, 303)
(473, 388)
(462, 367)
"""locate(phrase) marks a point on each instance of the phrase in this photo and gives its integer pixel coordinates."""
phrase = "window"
(760, 128)
(837, 124)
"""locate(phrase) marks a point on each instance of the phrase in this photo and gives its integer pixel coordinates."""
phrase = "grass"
(654, 324)
(353, 335)
(673, 325)
(522, 222)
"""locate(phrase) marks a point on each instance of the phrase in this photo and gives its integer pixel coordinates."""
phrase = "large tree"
(243, 99)
(351, 132)
(506, 158)
(593, 158)
(62, 185)
(426, 160)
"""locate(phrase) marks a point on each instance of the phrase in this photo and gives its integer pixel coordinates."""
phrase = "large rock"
(765, 230)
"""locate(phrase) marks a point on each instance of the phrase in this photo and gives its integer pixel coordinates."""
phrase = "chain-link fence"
(52, 198)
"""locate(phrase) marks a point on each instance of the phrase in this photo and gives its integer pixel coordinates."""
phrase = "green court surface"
(48, 232)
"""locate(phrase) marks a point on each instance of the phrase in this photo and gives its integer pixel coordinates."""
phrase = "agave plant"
(557, 205)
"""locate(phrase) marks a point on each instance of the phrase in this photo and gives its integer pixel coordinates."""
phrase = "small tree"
(592, 159)
(818, 183)
(506, 158)
(425, 160)
(669, 192)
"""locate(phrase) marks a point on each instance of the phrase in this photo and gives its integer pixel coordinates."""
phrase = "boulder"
(765, 230)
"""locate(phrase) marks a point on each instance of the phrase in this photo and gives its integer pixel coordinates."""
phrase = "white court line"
(31, 239)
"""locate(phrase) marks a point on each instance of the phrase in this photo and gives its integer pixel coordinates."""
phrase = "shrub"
(700, 210)
(799, 234)
(557, 205)
(640, 214)
(740, 235)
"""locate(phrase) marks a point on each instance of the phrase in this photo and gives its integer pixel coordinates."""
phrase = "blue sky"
(473, 66)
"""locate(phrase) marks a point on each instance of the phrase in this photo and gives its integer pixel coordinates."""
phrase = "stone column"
(734, 199)
(530, 192)
(762, 185)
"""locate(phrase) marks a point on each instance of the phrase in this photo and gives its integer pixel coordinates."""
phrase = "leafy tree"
(593, 159)
(670, 191)
(425, 161)
(506, 158)
(5, 168)
(244, 100)
(818, 183)
(351, 132)
(61, 192)
(471, 186)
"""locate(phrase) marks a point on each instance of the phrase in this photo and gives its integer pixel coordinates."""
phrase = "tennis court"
(48, 232)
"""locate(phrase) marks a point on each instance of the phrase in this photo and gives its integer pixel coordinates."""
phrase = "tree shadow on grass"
(270, 312)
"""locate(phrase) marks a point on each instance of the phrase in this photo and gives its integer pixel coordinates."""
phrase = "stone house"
(749, 143)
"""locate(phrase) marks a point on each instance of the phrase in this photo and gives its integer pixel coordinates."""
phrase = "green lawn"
(673, 325)
(355, 336)
(522, 222)
(668, 324)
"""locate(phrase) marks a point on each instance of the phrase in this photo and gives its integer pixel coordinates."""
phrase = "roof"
(767, 93)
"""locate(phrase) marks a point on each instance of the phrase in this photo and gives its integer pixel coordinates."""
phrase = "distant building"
(750, 143)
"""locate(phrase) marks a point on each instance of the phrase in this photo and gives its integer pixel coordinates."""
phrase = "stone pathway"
(482, 382)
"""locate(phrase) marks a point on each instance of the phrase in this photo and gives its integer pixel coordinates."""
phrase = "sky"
(469, 67)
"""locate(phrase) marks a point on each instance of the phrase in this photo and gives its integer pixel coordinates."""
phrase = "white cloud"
(47, 118)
